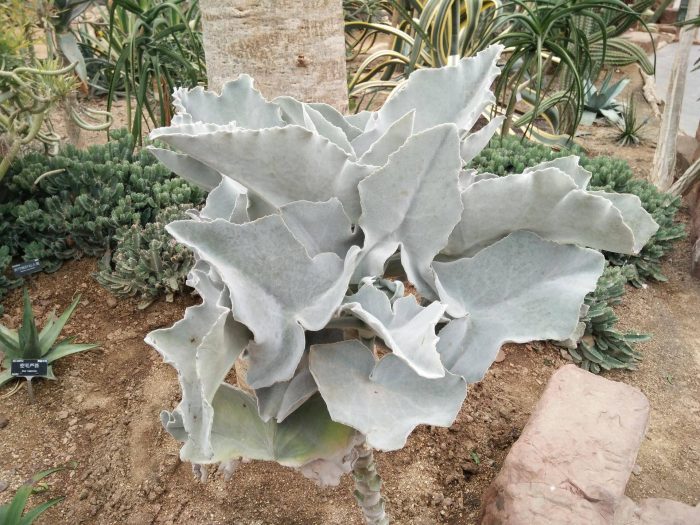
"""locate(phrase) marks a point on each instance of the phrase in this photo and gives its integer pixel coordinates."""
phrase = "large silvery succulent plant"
(313, 222)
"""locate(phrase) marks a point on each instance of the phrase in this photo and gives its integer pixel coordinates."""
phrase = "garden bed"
(102, 414)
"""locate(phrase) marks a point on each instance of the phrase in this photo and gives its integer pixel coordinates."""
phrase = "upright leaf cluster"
(313, 224)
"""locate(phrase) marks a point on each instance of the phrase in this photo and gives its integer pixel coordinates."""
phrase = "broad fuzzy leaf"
(547, 202)
(239, 103)
(420, 182)
(238, 431)
(280, 165)
(202, 347)
(277, 290)
(404, 326)
(384, 400)
(320, 226)
(520, 289)
(464, 92)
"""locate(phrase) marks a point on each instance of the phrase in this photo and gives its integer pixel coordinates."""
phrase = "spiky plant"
(29, 343)
(630, 127)
(13, 512)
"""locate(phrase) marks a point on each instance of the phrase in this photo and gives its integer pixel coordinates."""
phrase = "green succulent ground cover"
(101, 200)
(603, 346)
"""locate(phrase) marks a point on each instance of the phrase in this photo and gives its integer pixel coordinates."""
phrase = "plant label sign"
(26, 268)
(29, 368)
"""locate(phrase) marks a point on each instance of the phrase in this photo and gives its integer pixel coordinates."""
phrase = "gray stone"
(574, 457)
(3, 421)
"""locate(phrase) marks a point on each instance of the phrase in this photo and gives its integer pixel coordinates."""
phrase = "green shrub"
(512, 155)
(147, 261)
(602, 347)
(74, 204)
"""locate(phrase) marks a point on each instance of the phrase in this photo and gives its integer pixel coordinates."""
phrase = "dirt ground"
(102, 413)
(102, 417)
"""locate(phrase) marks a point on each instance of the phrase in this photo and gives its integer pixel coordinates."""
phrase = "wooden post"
(665, 157)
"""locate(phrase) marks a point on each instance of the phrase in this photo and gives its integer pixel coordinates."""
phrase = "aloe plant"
(12, 513)
(314, 222)
(29, 343)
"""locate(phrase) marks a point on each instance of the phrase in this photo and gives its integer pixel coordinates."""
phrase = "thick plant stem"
(368, 487)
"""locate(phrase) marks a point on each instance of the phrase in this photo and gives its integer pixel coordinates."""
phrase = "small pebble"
(63, 414)
(3, 485)
(636, 470)
(111, 302)
(3, 421)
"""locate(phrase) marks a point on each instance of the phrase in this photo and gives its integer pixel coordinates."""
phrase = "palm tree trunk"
(289, 47)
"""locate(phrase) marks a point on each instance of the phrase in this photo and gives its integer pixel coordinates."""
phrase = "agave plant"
(316, 220)
(29, 343)
(602, 100)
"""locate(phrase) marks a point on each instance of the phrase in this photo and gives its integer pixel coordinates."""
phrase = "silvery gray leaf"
(306, 435)
(464, 92)
(283, 398)
(569, 165)
(239, 102)
(202, 347)
(521, 288)
(375, 148)
(277, 290)
(229, 201)
(320, 226)
(388, 399)
(407, 328)
(278, 165)
(547, 202)
(470, 176)
(421, 182)
(380, 142)
(475, 142)
(635, 216)
(315, 121)
(188, 168)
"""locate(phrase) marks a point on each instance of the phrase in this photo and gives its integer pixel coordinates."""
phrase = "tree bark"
(665, 156)
(289, 47)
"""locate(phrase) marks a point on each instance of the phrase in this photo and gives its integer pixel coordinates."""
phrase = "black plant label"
(29, 368)
(26, 268)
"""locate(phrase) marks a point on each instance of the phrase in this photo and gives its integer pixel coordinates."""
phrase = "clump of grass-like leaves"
(630, 126)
